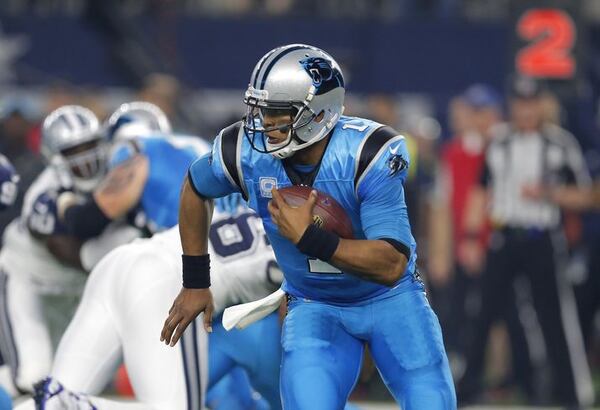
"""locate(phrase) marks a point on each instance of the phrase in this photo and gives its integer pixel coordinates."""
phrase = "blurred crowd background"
(439, 70)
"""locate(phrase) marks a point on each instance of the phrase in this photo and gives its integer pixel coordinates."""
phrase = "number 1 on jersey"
(318, 266)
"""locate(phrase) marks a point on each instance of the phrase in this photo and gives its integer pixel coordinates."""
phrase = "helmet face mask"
(264, 117)
(302, 80)
(72, 143)
(86, 160)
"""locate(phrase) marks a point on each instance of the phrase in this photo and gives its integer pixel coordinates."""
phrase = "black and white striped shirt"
(515, 160)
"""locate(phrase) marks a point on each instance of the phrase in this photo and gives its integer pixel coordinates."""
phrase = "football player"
(38, 257)
(120, 315)
(344, 294)
(146, 162)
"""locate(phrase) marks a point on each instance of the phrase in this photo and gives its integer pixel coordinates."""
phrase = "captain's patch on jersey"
(266, 186)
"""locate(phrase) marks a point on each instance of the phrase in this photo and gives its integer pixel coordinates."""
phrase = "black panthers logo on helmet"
(324, 76)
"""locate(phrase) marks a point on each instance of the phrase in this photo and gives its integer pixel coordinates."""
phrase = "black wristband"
(318, 243)
(85, 220)
(196, 271)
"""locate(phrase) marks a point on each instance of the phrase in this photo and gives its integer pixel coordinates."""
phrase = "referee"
(526, 240)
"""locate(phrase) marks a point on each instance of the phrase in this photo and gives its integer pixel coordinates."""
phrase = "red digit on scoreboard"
(552, 33)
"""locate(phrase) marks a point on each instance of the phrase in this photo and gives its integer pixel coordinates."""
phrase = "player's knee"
(432, 397)
(27, 377)
(28, 404)
(428, 388)
(430, 402)
(311, 388)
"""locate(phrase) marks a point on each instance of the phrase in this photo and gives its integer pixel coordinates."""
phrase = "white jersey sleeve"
(243, 266)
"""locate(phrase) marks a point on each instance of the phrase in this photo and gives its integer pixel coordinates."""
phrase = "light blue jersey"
(333, 315)
(169, 158)
(363, 168)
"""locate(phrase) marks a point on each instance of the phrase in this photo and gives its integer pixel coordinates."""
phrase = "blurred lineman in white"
(120, 317)
(39, 257)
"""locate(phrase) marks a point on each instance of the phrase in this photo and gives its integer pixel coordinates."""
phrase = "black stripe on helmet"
(275, 60)
(229, 143)
(74, 121)
(261, 64)
(82, 120)
(63, 118)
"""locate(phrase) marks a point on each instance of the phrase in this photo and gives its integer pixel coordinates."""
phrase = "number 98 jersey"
(363, 167)
(243, 265)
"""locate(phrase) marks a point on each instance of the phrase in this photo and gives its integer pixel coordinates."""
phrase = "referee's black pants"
(537, 255)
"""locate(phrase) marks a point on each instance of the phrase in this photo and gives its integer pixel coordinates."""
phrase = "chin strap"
(296, 143)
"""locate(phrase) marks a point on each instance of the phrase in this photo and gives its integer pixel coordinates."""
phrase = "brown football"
(328, 213)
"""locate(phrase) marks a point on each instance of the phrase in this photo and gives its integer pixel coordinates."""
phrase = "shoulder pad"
(231, 144)
(370, 147)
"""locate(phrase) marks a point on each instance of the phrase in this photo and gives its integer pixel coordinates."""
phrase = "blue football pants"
(323, 348)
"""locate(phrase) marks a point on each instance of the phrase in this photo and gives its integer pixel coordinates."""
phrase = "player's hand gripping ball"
(327, 213)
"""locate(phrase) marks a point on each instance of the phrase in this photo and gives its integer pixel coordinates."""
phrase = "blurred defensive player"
(38, 257)
(121, 310)
(343, 293)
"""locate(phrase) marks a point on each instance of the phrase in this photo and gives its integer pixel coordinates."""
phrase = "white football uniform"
(124, 304)
(28, 271)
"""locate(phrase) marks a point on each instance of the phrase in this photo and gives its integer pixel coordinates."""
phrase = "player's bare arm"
(66, 249)
(119, 192)
(372, 260)
(195, 214)
(123, 186)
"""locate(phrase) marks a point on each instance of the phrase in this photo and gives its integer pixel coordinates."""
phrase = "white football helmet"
(137, 119)
(302, 80)
(72, 141)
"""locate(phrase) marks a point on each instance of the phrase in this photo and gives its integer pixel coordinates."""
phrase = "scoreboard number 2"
(551, 35)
